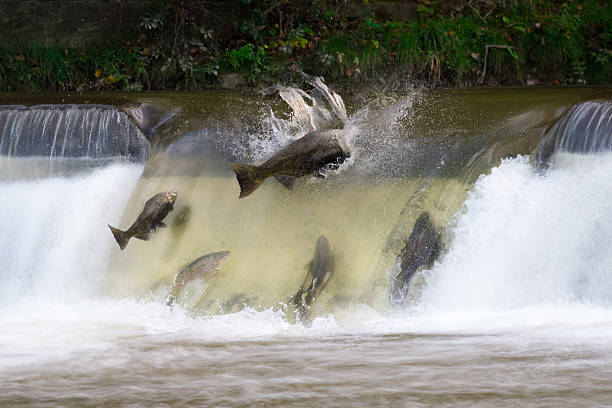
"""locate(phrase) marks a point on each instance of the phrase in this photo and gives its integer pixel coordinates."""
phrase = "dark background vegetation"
(196, 44)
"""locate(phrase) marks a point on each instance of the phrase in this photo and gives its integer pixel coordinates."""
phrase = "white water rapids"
(517, 312)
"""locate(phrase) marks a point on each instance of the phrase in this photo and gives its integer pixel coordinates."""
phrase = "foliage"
(188, 44)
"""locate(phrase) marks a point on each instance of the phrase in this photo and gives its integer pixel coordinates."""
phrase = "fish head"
(334, 156)
(221, 257)
(346, 153)
(322, 264)
(171, 196)
(322, 244)
(339, 150)
(210, 265)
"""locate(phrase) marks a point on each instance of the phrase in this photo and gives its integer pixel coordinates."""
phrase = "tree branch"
(484, 68)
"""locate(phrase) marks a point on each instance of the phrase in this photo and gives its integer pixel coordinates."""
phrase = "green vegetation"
(179, 46)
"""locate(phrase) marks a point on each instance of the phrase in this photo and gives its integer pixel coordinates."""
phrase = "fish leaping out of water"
(320, 270)
(204, 268)
(311, 154)
(149, 220)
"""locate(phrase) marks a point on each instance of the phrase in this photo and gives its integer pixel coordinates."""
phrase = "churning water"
(517, 310)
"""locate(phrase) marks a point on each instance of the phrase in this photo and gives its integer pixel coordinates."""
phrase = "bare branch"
(484, 19)
(484, 68)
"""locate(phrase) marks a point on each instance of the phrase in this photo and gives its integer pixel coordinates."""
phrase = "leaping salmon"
(205, 268)
(311, 154)
(149, 220)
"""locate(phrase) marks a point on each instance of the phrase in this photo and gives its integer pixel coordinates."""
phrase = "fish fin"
(145, 237)
(148, 118)
(309, 299)
(121, 237)
(162, 225)
(287, 181)
(297, 298)
(246, 178)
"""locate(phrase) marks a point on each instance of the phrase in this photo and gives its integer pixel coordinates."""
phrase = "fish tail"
(245, 174)
(121, 237)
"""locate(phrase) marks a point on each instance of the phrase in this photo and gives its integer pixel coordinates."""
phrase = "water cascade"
(53, 243)
(522, 248)
(585, 128)
(64, 131)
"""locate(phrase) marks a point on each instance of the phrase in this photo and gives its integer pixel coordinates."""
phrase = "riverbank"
(182, 45)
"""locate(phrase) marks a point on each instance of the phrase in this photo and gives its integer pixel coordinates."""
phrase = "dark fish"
(205, 268)
(421, 249)
(155, 210)
(320, 270)
(181, 219)
(148, 118)
(310, 154)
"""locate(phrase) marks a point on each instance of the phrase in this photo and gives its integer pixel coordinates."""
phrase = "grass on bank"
(548, 42)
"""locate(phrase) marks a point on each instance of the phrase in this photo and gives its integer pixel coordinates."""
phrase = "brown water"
(339, 371)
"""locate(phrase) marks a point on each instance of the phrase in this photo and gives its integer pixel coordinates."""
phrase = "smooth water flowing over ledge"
(64, 131)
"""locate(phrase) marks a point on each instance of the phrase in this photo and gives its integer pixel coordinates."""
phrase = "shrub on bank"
(447, 43)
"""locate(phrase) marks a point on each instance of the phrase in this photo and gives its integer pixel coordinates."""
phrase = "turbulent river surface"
(515, 310)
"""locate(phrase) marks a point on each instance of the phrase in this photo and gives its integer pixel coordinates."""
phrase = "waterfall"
(511, 307)
(68, 131)
(366, 209)
(524, 239)
(54, 241)
(585, 128)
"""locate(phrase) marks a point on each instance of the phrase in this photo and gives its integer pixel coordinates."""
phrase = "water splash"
(319, 109)
(378, 133)
(525, 239)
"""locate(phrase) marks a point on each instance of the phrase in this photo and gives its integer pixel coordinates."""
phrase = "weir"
(419, 151)
(64, 131)
(585, 128)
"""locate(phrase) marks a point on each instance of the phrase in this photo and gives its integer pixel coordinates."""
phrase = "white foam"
(529, 256)
(319, 109)
(525, 239)
(54, 240)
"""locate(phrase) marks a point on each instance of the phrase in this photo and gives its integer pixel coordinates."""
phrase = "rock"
(231, 81)
(492, 82)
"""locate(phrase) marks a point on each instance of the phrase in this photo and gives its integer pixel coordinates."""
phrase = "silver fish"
(205, 268)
